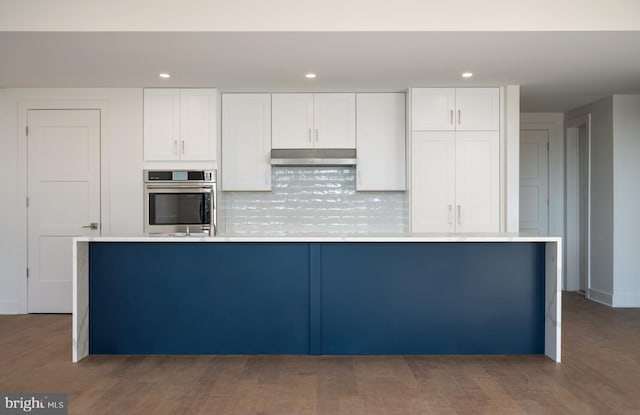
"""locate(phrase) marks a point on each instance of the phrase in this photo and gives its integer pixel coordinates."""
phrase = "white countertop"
(416, 237)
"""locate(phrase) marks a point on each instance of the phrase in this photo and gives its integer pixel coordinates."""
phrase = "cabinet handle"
(182, 144)
(309, 134)
(451, 117)
(459, 215)
(175, 147)
(449, 214)
(459, 117)
(316, 135)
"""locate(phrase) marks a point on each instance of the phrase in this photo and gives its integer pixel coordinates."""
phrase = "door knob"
(92, 225)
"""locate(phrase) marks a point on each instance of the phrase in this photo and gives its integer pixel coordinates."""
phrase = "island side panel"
(80, 287)
(199, 298)
(433, 298)
(553, 301)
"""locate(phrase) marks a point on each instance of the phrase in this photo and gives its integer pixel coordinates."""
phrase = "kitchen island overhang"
(418, 294)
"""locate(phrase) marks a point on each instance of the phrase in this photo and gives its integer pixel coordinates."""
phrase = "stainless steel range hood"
(313, 157)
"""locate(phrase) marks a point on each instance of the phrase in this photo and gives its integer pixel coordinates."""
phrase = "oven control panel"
(208, 176)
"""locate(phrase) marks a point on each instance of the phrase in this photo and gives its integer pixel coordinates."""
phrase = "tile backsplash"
(312, 200)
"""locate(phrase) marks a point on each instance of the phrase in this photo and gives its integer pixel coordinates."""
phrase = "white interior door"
(63, 199)
(534, 181)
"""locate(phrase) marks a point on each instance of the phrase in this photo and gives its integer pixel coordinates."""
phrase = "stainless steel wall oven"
(180, 202)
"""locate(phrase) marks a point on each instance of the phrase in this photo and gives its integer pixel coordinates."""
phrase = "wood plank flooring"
(600, 374)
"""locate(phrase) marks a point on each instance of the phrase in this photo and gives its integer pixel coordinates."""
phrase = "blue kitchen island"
(418, 294)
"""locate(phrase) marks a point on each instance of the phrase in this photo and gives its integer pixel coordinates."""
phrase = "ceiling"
(557, 71)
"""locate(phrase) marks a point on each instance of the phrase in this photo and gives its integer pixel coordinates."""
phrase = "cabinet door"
(198, 126)
(477, 109)
(161, 124)
(433, 109)
(292, 118)
(433, 181)
(477, 181)
(246, 142)
(335, 120)
(380, 141)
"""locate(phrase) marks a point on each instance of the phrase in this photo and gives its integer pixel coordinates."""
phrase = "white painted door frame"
(572, 203)
(105, 213)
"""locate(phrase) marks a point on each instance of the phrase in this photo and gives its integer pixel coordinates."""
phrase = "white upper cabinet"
(180, 124)
(381, 141)
(161, 123)
(477, 109)
(292, 117)
(334, 120)
(461, 109)
(432, 109)
(313, 121)
(246, 142)
(198, 124)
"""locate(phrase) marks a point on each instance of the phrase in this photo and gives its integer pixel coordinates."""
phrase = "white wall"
(601, 286)
(122, 201)
(615, 199)
(626, 200)
(327, 15)
(9, 249)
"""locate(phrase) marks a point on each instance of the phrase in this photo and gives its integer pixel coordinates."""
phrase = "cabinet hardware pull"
(451, 117)
(449, 214)
(175, 147)
(309, 131)
(316, 135)
(459, 215)
(182, 143)
(459, 117)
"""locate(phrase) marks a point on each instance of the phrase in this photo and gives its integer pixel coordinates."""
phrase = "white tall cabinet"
(455, 160)
(246, 142)
(381, 140)
(324, 120)
(180, 124)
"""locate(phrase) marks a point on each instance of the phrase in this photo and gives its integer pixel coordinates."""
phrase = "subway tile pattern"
(312, 200)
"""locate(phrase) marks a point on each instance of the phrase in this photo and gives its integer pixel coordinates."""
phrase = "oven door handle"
(169, 187)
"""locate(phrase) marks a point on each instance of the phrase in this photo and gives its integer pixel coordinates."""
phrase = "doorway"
(63, 200)
(578, 203)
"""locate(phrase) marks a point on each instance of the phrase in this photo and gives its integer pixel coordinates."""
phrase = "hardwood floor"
(600, 374)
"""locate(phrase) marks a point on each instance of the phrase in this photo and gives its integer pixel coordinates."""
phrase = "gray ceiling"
(557, 71)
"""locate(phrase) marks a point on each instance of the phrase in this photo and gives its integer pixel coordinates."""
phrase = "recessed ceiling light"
(467, 74)
(165, 75)
(310, 75)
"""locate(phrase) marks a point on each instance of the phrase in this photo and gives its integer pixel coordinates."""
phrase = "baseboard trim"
(601, 297)
(626, 300)
(9, 307)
